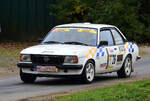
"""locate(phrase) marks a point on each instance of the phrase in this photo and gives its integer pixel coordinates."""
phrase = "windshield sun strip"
(69, 27)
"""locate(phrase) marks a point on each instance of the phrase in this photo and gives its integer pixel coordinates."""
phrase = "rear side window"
(105, 35)
(117, 37)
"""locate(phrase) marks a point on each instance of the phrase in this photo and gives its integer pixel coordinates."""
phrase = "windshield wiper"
(75, 43)
(52, 42)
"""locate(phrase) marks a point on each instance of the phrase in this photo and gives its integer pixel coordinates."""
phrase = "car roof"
(85, 25)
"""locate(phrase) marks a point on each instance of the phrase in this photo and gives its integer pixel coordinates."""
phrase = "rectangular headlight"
(71, 59)
(25, 58)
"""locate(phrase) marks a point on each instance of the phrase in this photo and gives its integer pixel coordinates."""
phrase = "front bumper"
(66, 66)
(63, 70)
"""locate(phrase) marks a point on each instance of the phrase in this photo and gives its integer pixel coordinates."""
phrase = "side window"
(105, 35)
(118, 39)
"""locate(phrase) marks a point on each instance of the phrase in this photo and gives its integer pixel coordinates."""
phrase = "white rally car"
(79, 49)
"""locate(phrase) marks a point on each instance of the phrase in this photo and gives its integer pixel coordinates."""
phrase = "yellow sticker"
(110, 67)
(86, 30)
(80, 30)
(62, 30)
(67, 30)
(92, 31)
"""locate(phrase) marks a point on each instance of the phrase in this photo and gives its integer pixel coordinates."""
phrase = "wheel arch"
(90, 59)
(129, 55)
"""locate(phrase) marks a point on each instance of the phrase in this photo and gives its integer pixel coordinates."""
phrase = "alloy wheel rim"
(90, 72)
(128, 66)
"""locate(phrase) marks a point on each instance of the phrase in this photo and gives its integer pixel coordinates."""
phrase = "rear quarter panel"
(132, 49)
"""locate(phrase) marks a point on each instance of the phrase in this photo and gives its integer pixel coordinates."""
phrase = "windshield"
(78, 36)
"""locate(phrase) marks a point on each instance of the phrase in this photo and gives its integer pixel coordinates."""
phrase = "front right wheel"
(125, 70)
(27, 78)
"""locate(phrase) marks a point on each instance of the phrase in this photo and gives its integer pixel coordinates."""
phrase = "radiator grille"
(47, 59)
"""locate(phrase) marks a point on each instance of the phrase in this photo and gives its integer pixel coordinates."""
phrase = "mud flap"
(132, 68)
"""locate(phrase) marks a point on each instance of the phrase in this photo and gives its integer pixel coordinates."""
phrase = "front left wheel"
(89, 72)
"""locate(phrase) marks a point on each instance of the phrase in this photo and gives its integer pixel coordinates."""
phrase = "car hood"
(57, 49)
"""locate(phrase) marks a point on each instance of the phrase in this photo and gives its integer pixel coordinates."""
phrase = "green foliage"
(131, 16)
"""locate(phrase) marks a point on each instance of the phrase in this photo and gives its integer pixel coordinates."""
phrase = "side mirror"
(39, 40)
(103, 43)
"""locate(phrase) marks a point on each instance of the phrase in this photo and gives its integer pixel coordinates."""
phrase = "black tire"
(85, 77)
(27, 78)
(124, 72)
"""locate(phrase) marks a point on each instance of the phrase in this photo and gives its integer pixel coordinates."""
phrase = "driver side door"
(111, 49)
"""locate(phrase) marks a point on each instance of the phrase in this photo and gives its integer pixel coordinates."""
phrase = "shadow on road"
(72, 81)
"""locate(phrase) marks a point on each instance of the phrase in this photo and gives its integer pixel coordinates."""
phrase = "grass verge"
(138, 91)
(9, 53)
(142, 53)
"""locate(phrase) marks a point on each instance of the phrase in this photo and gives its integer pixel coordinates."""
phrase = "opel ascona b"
(79, 50)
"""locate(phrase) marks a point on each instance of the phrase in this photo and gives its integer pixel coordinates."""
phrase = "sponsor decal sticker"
(112, 59)
(61, 30)
(110, 67)
(87, 30)
(103, 65)
(122, 50)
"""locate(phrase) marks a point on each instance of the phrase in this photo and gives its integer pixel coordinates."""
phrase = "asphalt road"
(13, 88)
